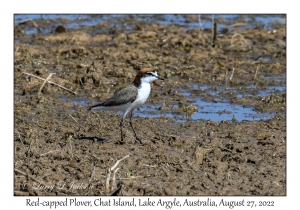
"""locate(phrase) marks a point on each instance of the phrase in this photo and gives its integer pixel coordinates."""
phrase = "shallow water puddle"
(220, 109)
(207, 111)
(249, 91)
(82, 20)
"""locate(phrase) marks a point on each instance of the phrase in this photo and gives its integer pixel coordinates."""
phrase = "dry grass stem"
(51, 83)
(117, 163)
(232, 73)
(150, 166)
(107, 181)
(74, 119)
(113, 186)
(49, 152)
(110, 170)
(132, 177)
(39, 92)
(255, 74)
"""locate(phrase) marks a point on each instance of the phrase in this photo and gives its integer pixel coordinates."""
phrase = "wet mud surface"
(194, 143)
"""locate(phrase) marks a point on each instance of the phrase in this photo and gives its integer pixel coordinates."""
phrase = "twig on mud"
(40, 90)
(49, 152)
(95, 113)
(28, 176)
(132, 177)
(107, 181)
(232, 73)
(150, 166)
(51, 83)
(74, 119)
(255, 74)
(113, 186)
(110, 170)
(117, 163)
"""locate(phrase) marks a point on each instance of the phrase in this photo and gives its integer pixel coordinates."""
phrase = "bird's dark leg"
(121, 126)
(130, 121)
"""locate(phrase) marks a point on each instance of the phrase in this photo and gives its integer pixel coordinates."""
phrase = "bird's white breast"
(143, 94)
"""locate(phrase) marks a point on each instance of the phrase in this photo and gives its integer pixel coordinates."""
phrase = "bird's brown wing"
(123, 96)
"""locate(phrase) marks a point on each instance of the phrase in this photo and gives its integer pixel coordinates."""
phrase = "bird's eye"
(149, 73)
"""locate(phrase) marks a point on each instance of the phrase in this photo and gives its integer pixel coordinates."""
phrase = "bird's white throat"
(143, 93)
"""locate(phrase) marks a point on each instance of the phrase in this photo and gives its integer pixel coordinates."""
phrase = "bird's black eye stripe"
(151, 73)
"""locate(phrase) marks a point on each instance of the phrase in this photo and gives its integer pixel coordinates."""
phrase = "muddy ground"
(63, 149)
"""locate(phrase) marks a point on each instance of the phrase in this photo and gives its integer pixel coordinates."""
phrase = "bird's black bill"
(160, 78)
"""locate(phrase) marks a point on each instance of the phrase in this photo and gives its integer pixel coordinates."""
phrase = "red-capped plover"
(131, 97)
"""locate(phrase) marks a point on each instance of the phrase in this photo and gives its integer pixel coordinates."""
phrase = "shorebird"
(131, 97)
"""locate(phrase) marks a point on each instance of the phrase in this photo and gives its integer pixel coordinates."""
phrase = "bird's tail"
(92, 107)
